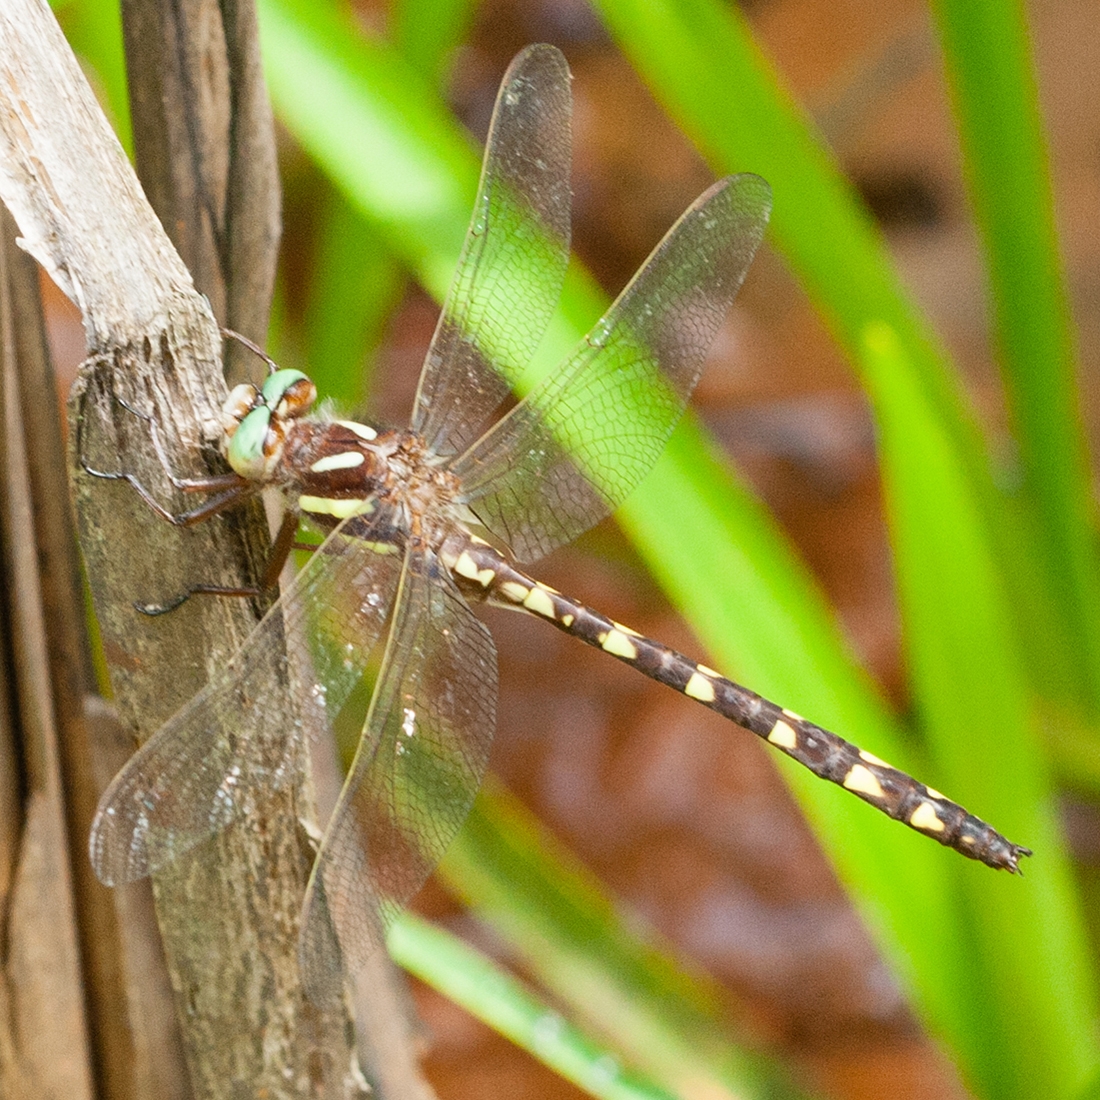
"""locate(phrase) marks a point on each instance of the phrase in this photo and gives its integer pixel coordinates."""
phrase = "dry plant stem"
(44, 1048)
(229, 916)
(205, 147)
(138, 1052)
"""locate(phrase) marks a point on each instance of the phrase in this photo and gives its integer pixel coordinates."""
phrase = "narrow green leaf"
(702, 63)
(990, 72)
(375, 126)
(427, 32)
(1030, 993)
(355, 286)
(621, 982)
(475, 982)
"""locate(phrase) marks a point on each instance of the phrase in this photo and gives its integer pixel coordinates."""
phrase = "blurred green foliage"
(996, 575)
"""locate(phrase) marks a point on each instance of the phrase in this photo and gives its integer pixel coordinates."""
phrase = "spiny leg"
(479, 568)
(229, 490)
(280, 551)
(230, 334)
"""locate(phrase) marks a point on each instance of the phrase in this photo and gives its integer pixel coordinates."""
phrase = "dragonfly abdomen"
(898, 795)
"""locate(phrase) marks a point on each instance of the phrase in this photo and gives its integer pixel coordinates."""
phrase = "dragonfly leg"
(227, 498)
(244, 341)
(230, 488)
(280, 551)
(152, 610)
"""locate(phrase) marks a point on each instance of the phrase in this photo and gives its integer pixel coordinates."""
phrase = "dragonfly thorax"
(335, 469)
(330, 469)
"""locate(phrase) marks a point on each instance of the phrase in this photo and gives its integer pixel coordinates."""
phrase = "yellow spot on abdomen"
(514, 591)
(783, 736)
(465, 566)
(538, 601)
(699, 687)
(925, 818)
(872, 759)
(862, 781)
(618, 644)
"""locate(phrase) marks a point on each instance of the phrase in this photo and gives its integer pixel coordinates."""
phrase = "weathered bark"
(228, 915)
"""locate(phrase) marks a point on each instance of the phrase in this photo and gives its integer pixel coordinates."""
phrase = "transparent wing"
(420, 761)
(217, 757)
(512, 265)
(569, 453)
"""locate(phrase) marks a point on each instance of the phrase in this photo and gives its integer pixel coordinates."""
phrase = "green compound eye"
(276, 385)
(286, 394)
(246, 448)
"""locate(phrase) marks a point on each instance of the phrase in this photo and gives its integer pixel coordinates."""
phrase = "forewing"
(420, 761)
(510, 272)
(217, 757)
(569, 453)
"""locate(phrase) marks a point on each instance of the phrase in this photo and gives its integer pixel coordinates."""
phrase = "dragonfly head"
(255, 421)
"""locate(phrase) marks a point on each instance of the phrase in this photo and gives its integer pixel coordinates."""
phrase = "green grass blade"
(426, 32)
(989, 69)
(658, 1014)
(498, 999)
(374, 125)
(355, 286)
(702, 63)
(1029, 981)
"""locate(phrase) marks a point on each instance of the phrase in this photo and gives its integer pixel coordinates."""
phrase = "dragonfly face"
(401, 562)
(255, 421)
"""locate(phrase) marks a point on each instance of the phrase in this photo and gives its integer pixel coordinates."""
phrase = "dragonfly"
(424, 523)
